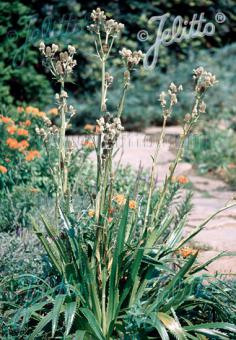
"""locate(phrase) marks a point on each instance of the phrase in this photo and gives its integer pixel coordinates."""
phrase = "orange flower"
(182, 179)
(119, 199)
(35, 190)
(31, 155)
(53, 111)
(29, 109)
(3, 169)
(22, 132)
(88, 144)
(34, 111)
(40, 114)
(20, 109)
(231, 166)
(186, 252)
(111, 210)
(91, 213)
(27, 122)
(132, 204)
(12, 143)
(89, 127)
(23, 145)
(110, 219)
(11, 129)
(97, 129)
(6, 120)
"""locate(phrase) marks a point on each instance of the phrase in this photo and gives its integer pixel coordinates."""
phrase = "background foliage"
(23, 24)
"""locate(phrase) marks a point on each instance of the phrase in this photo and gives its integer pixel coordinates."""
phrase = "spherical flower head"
(91, 213)
(55, 48)
(64, 94)
(53, 111)
(113, 27)
(23, 145)
(162, 98)
(31, 155)
(3, 169)
(186, 252)
(11, 129)
(98, 15)
(130, 58)
(27, 122)
(198, 72)
(88, 144)
(204, 79)
(71, 49)
(22, 132)
(6, 120)
(202, 107)
(119, 199)
(42, 47)
(173, 88)
(132, 204)
(182, 179)
(12, 143)
(20, 109)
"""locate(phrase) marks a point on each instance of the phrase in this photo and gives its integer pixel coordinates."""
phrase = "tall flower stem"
(153, 171)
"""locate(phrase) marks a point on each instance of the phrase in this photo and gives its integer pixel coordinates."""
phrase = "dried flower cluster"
(61, 100)
(102, 24)
(204, 79)
(110, 129)
(108, 79)
(169, 99)
(130, 58)
(59, 63)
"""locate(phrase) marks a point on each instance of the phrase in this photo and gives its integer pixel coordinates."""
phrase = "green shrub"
(212, 150)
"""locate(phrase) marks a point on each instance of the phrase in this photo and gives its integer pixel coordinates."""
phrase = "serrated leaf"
(56, 312)
(70, 310)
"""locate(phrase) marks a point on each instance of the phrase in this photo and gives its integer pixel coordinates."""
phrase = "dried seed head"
(48, 51)
(54, 48)
(71, 49)
(63, 94)
(198, 72)
(98, 15)
(204, 79)
(202, 107)
(187, 117)
(162, 99)
(42, 47)
(131, 58)
(173, 88)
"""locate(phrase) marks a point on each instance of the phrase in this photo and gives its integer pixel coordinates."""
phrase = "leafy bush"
(20, 253)
(213, 150)
(122, 268)
(20, 75)
(16, 206)
(21, 147)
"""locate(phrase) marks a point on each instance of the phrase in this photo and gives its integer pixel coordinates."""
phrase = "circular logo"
(142, 35)
(220, 17)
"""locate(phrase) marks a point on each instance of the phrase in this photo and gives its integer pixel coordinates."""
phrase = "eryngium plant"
(125, 276)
